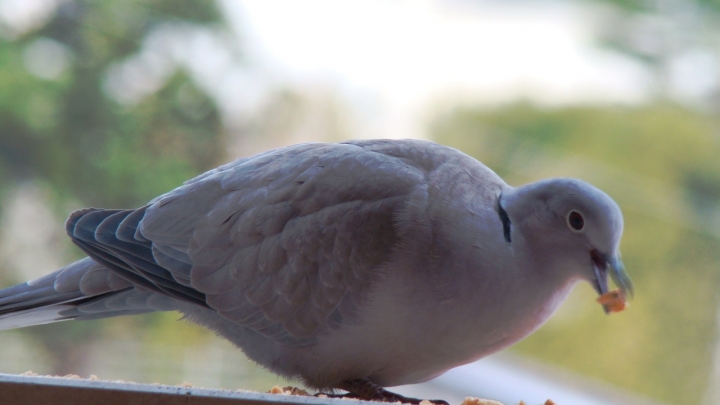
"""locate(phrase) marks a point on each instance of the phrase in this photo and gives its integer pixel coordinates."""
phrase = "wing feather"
(285, 243)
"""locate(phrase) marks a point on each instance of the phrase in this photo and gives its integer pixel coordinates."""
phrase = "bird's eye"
(576, 221)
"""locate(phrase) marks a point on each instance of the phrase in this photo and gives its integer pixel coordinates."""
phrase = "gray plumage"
(383, 261)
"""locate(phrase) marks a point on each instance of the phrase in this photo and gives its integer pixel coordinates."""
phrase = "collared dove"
(351, 266)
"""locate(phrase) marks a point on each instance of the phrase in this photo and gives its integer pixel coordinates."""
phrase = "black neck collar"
(505, 219)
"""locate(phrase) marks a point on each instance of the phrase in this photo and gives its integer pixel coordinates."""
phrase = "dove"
(353, 266)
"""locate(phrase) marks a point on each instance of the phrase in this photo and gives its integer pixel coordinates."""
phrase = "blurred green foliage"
(63, 129)
(67, 131)
(653, 5)
(660, 162)
(675, 40)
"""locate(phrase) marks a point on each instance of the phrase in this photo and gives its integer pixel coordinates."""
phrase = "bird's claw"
(391, 397)
(366, 390)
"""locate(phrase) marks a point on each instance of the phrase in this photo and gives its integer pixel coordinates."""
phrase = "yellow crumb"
(478, 401)
(613, 301)
(296, 391)
(278, 390)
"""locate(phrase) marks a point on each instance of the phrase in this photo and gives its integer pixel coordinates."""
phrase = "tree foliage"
(60, 125)
(65, 129)
(676, 40)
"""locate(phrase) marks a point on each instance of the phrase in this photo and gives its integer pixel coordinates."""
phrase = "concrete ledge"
(35, 390)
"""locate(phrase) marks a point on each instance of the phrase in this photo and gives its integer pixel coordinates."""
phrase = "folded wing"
(285, 243)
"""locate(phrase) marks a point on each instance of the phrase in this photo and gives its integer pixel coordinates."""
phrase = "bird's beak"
(601, 263)
(620, 277)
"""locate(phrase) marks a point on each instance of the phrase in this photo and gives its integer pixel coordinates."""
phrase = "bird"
(352, 266)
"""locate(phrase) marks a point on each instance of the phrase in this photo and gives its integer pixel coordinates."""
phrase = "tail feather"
(82, 290)
(34, 297)
(32, 317)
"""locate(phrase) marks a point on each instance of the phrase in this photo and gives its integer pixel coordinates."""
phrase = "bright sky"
(393, 61)
(408, 55)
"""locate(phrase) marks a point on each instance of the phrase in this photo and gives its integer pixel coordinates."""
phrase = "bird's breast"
(410, 331)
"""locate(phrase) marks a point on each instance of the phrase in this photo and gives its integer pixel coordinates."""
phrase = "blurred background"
(111, 103)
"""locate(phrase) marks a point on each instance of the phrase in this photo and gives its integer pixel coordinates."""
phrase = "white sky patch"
(46, 58)
(20, 16)
(28, 226)
(405, 55)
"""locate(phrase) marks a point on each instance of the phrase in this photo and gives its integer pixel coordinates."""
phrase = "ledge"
(34, 390)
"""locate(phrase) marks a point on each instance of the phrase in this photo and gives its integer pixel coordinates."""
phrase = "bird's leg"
(364, 389)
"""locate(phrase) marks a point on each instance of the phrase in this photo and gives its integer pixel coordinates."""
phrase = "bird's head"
(575, 224)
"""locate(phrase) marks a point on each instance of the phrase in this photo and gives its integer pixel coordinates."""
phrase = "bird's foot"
(364, 389)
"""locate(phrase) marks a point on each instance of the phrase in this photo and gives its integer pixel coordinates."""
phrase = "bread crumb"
(295, 391)
(93, 377)
(72, 377)
(322, 396)
(425, 402)
(29, 373)
(277, 390)
(186, 385)
(613, 301)
(479, 401)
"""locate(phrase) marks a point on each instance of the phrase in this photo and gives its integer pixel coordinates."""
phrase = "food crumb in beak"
(613, 301)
